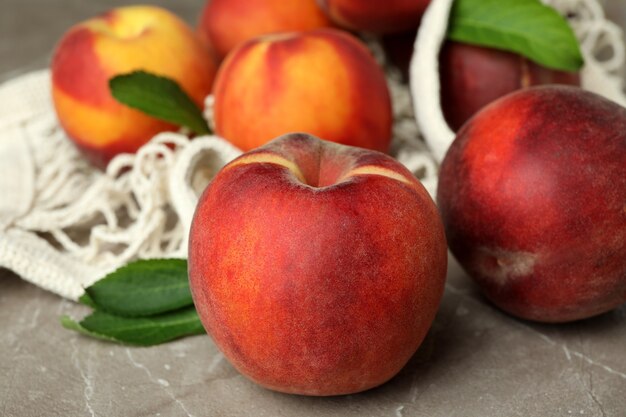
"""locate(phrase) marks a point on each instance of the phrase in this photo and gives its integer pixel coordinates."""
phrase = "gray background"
(476, 361)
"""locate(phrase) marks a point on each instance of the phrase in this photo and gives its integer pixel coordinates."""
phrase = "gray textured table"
(476, 361)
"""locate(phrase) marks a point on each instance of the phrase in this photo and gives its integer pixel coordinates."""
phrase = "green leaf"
(71, 324)
(85, 299)
(526, 27)
(159, 97)
(142, 331)
(142, 288)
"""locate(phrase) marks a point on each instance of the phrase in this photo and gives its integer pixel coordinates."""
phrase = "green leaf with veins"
(159, 97)
(142, 331)
(142, 288)
(526, 27)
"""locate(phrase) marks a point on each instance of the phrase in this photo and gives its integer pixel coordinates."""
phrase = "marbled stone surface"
(476, 361)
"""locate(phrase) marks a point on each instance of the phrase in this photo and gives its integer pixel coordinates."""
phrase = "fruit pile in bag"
(316, 258)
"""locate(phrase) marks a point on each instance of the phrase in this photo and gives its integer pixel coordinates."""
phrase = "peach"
(474, 76)
(317, 268)
(324, 82)
(224, 24)
(376, 16)
(533, 198)
(117, 42)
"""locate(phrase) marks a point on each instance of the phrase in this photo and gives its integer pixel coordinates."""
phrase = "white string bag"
(64, 224)
(595, 33)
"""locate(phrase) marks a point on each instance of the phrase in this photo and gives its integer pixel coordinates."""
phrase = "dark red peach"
(533, 198)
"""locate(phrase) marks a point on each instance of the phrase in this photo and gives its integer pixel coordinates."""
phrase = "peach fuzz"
(324, 82)
(533, 197)
(224, 24)
(380, 17)
(117, 42)
(317, 268)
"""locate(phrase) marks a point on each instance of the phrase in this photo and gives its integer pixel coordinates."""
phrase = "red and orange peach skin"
(316, 268)
(117, 42)
(224, 24)
(324, 82)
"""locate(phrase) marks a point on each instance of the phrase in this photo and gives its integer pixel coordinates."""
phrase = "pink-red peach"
(324, 82)
(474, 76)
(224, 24)
(117, 42)
(533, 198)
(317, 268)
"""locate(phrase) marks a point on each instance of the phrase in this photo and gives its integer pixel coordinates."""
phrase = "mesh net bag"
(65, 224)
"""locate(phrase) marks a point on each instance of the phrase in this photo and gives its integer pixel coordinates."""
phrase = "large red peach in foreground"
(317, 268)
(388, 16)
(117, 42)
(474, 76)
(324, 82)
(533, 198)
(224, 24)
